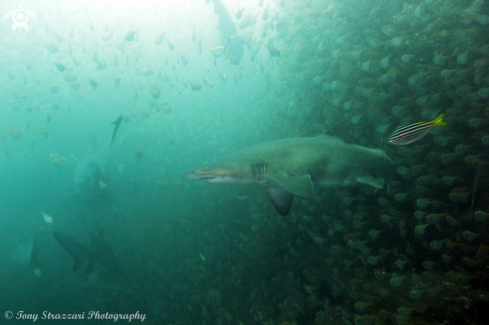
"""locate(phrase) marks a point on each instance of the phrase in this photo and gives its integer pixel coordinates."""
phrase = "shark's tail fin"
(116, 128)
(78, 252)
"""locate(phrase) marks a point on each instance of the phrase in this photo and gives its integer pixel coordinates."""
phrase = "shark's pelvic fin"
(298, 185)
(281, 199)
(371, 181)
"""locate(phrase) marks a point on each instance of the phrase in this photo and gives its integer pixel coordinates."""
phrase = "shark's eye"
(205, 168)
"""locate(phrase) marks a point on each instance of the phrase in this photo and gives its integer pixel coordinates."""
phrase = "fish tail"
(439, 121)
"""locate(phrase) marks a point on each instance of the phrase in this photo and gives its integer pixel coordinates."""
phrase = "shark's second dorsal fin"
(281, 199)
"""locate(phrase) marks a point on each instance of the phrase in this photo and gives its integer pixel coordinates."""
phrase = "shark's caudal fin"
(281, 199)
(101, 253)
(116, 128)
(78, 252)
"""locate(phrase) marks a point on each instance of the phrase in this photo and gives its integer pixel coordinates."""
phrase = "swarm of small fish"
(413, 76)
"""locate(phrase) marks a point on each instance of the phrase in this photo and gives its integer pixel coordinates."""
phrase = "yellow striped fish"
(414, 131)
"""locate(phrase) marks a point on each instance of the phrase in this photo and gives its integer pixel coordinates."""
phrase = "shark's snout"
(193, 174)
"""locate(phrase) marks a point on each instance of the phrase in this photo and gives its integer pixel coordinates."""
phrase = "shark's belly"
(87, 170)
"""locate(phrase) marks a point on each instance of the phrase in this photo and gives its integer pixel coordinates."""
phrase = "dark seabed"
(107, 105)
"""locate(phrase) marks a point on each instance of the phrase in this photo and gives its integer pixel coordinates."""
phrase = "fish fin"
(371, 181)
(281, 199)
(116, 127)
(439, 121)
(78, 252)
(298, 185)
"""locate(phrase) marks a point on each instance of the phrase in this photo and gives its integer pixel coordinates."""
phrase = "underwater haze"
(107, 105)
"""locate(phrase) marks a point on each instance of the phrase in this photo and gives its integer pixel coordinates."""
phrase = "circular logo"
(8, 314)
(20, 19)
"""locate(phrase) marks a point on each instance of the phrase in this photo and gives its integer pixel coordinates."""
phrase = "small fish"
(131, 34)
(102, 185)
(53, 88)
(217, 51)
(195, 86)
(202, 257)
(272, 50)
(144, 71)
(121, 168)
(47, 217)
(160, 38)
(243, 196)
(239, 13)
(108, 34)
(414, 131)
(138, 154)
(165, 108)
(37, 272)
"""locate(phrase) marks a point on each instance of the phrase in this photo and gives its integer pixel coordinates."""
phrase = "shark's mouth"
(220, 179)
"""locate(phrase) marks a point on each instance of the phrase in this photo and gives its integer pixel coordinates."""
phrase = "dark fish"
(227, 28)
(414, 131)
(116, 127)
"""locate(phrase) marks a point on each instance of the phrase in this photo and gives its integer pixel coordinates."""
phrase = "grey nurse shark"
(92, 167)
(298, 166)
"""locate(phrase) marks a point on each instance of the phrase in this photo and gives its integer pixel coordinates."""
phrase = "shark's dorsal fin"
(281, 199)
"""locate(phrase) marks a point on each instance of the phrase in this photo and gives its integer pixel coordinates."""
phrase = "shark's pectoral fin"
(281, 199)
(371, 181)
(298, 185)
